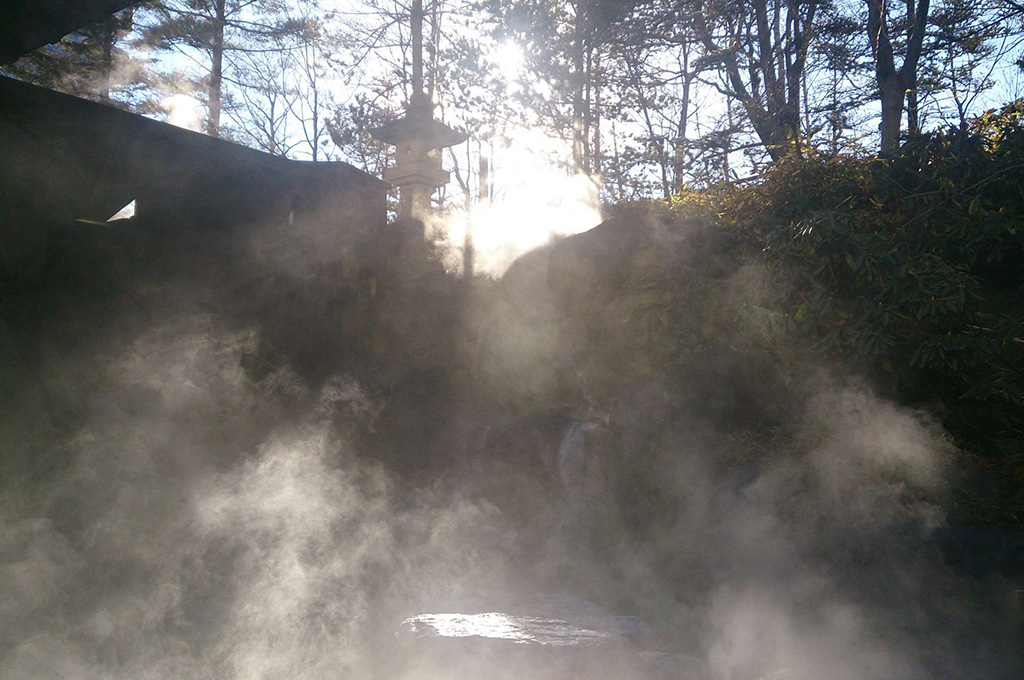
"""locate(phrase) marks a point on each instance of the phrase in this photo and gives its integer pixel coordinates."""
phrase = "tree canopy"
(651, 96)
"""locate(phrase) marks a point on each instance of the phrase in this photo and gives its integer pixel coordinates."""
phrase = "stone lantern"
(417, 171)
(418, 139)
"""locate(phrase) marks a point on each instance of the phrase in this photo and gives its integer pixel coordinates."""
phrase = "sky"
(529, 163)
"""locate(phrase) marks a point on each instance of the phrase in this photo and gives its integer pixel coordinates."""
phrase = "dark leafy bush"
(912, 267)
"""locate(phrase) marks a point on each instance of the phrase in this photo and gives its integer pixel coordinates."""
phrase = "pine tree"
(211, 33)
(90, 63)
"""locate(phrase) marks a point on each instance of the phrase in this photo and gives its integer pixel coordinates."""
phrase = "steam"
(192, 554)
(206, 511)
(815, 572)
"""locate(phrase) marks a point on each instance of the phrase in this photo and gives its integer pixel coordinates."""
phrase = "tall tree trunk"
(893, 83)
(891, 91)
(774, 59)
(216, 69)
(913, 115)
(679, 153)
(314, 84)
(579, 133)
(913, 120)
(316, 124)
(834, 115)
(728, 141)
(588, 110)
(484, 192)
(483, 198)
(617, 165)
(798, 31)
(595, 115)
(109, 38)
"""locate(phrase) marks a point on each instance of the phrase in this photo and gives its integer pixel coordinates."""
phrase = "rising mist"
(233, 457)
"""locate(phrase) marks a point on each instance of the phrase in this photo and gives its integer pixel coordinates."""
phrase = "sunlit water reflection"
(513, 628)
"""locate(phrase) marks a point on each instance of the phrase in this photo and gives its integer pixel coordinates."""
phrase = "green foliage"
(912, 267)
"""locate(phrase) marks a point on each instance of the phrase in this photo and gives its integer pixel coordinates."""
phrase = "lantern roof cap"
(419, 123)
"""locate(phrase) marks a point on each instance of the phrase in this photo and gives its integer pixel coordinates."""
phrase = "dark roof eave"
(26, 25)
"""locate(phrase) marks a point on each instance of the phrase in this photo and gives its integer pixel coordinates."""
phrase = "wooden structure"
(67, 159)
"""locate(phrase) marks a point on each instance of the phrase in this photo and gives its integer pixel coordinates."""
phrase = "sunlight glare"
(536, 204)
(489, 625)
(514, 628)
(509, 59)
(185, 112)
(127, 212)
